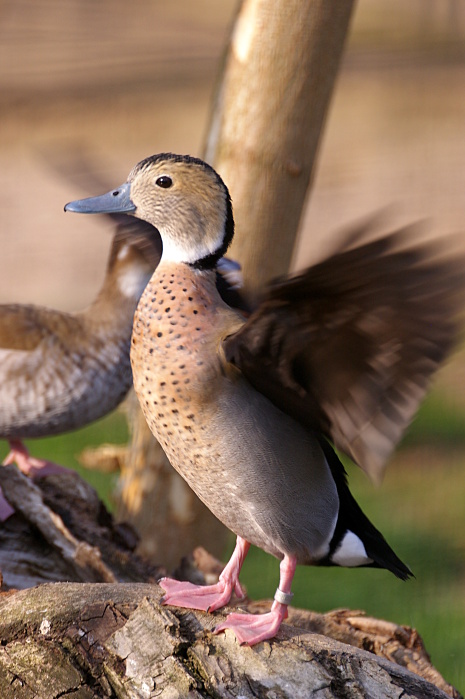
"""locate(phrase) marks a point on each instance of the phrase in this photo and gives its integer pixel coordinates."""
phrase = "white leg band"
(283, 597)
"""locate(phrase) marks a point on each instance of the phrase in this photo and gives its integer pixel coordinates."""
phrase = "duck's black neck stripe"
(210, 261)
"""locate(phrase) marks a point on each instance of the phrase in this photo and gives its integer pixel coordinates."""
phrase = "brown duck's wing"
(21, 327)
(24, 327)
(349, 346)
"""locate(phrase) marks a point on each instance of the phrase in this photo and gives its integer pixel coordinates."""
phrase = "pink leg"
(29, 464)
(253, 628)
(208, 597)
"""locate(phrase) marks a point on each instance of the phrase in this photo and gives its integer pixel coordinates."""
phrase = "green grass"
(439, 421)
(420, 508)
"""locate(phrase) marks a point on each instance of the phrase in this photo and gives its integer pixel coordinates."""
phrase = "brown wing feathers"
(348, 347)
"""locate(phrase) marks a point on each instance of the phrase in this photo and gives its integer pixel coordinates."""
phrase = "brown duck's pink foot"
(208, 597)
(253, 628)
(6, 510)
(28, 464)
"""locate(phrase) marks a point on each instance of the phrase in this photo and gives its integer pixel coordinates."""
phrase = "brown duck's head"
(181, 196)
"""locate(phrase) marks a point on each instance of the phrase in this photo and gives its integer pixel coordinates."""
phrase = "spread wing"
(349, 346)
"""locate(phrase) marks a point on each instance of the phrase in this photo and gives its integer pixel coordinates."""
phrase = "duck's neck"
(180, 301)
(183, 284)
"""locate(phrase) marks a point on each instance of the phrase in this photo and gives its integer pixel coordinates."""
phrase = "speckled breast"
(232, 446)
(178, 326)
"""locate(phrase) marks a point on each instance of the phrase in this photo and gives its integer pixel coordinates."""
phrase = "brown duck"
(245, 407)
(61, 371)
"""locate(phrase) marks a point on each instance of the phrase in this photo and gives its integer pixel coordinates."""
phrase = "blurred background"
(120, 81)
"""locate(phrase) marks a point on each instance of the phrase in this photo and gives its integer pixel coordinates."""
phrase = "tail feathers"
(376, 545)
(352, 519)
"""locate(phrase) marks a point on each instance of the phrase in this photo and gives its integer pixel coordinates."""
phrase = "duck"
(61, 371)
(250, 408)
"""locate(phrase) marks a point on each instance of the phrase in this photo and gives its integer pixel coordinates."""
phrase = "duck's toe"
(204, 597)
(253, 628)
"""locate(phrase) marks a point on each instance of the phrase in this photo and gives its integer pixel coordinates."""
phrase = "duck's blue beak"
(116, 201)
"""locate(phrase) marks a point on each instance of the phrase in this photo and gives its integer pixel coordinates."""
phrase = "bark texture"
(91, 641)
(61, 531)
(267, 121)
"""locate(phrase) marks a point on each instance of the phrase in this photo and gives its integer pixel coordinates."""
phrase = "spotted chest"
(228, 442)
(178, 327)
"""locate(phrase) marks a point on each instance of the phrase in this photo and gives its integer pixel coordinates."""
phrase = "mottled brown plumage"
(242, 407)
(60, 371)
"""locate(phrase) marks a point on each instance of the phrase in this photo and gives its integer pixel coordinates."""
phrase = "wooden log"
(87, 640)
(97, 640)
(61, 531)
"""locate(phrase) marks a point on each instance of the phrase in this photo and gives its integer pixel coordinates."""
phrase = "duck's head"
(183, 197)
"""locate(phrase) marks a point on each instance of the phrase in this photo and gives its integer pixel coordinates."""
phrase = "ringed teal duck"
(244, 408)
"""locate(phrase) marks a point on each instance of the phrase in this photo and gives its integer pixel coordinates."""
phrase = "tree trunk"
(267, 121)
(265, 127)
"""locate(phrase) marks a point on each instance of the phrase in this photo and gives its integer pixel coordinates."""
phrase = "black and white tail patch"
(356, 541)
(350, 552)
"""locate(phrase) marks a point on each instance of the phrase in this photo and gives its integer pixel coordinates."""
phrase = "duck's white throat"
(191, 251)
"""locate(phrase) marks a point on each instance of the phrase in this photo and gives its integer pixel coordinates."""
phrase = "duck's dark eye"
(164, 181)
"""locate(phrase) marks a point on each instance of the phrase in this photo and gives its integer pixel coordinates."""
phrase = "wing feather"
(349, 346)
